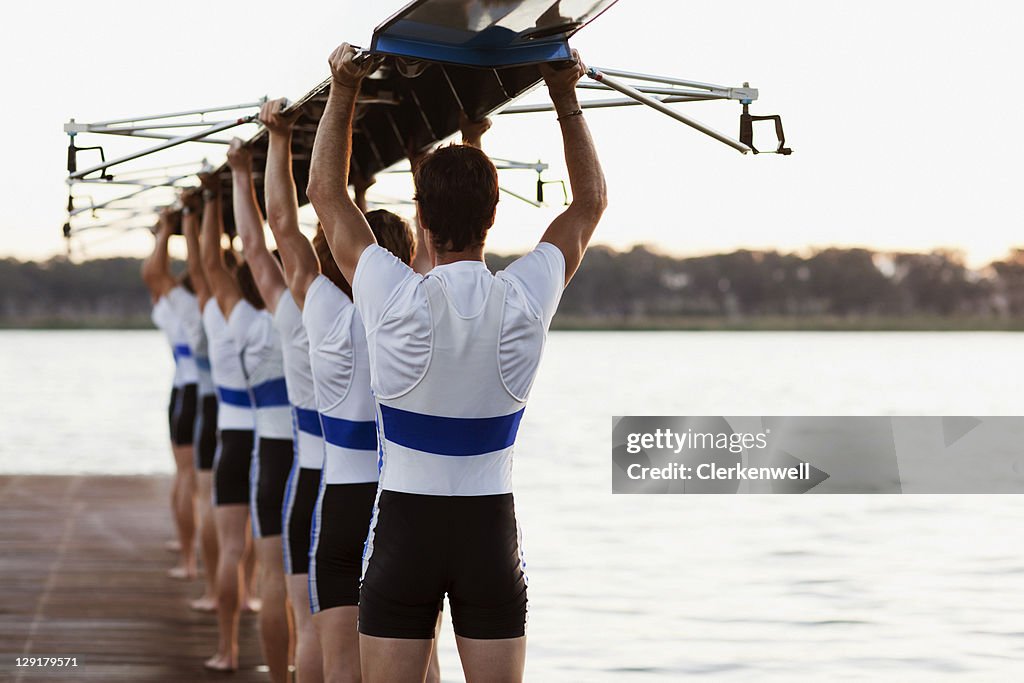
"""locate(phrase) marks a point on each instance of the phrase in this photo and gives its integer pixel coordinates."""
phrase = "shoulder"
(325, 305)
(537, 279)
(381, 281)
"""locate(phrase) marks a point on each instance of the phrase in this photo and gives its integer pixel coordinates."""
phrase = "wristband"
(209, 195)
(577, 112)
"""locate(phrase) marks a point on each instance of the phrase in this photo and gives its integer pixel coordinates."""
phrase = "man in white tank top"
(163, 289)
(189, 308)
(453, 356)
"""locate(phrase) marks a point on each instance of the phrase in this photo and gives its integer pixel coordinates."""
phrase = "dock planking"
(83, 573)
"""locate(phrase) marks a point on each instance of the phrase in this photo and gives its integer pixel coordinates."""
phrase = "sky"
(904, 116)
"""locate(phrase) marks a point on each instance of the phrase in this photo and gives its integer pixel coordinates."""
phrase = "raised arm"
(473, 131)
(223, 286)
(156, 269)
(571, 231)
(360, 186)
(300, 263)
(190, 228)
(347, 231)
(249, 221)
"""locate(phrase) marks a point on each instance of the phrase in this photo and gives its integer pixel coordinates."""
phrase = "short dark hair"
(393, 233)
(457, 194)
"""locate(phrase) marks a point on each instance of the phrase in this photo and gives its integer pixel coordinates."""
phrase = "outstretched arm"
(222, 283)
(190, 228)
(347, 231)
(300, 263)
(156, 269)
(249, 221)
(571, 231)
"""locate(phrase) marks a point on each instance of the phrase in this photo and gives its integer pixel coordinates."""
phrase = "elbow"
(276, 217)
(602, 199)
(316, 189)
(594, 204)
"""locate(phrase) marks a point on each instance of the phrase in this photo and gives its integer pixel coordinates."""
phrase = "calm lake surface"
(664, 588)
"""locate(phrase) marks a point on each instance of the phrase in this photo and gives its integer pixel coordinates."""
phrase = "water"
(807, 588)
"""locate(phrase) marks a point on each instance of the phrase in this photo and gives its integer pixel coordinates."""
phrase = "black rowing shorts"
(299, 502)
(204, 437)
(341, 522)
(423, 547)
(269, 479)
(181, 414)
(231, 467)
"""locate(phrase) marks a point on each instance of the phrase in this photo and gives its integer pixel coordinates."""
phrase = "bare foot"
(204, 604)
(252, 606)
(220, 662)
(182, 573)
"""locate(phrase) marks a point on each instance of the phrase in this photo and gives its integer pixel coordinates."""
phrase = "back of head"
(185, 280)
(328, 266)
(247, 284)
(393, 233)
(457, 195)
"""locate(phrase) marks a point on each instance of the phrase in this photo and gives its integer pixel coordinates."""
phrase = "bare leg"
(309, 666)
(232, 529)
(493, 661)
(207, 541)
(394, 660)
(183, 503)
(339, 641)
(250, 591)
(275, 621)
(434, 668)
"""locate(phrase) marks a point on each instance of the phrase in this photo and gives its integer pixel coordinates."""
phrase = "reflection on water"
(628, 588)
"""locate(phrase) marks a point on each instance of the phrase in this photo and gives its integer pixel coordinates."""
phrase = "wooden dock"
(83, 573)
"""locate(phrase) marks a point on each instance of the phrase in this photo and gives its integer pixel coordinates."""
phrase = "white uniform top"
(186, 307)
(203, 367)
(341, 378)
(166, 318)
(453, 356)
(263, 364)
(298, 375)
(234, 406)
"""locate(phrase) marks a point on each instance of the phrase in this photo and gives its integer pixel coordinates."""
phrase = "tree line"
(846, 288)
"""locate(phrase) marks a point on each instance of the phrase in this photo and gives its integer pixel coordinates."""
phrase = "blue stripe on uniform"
(308, 421)
(359, 436)
(181, 351)
(203, 363)
(271, 394)
(234, 397)
(450, 435)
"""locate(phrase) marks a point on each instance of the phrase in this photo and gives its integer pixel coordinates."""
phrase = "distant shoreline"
(657, 324)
